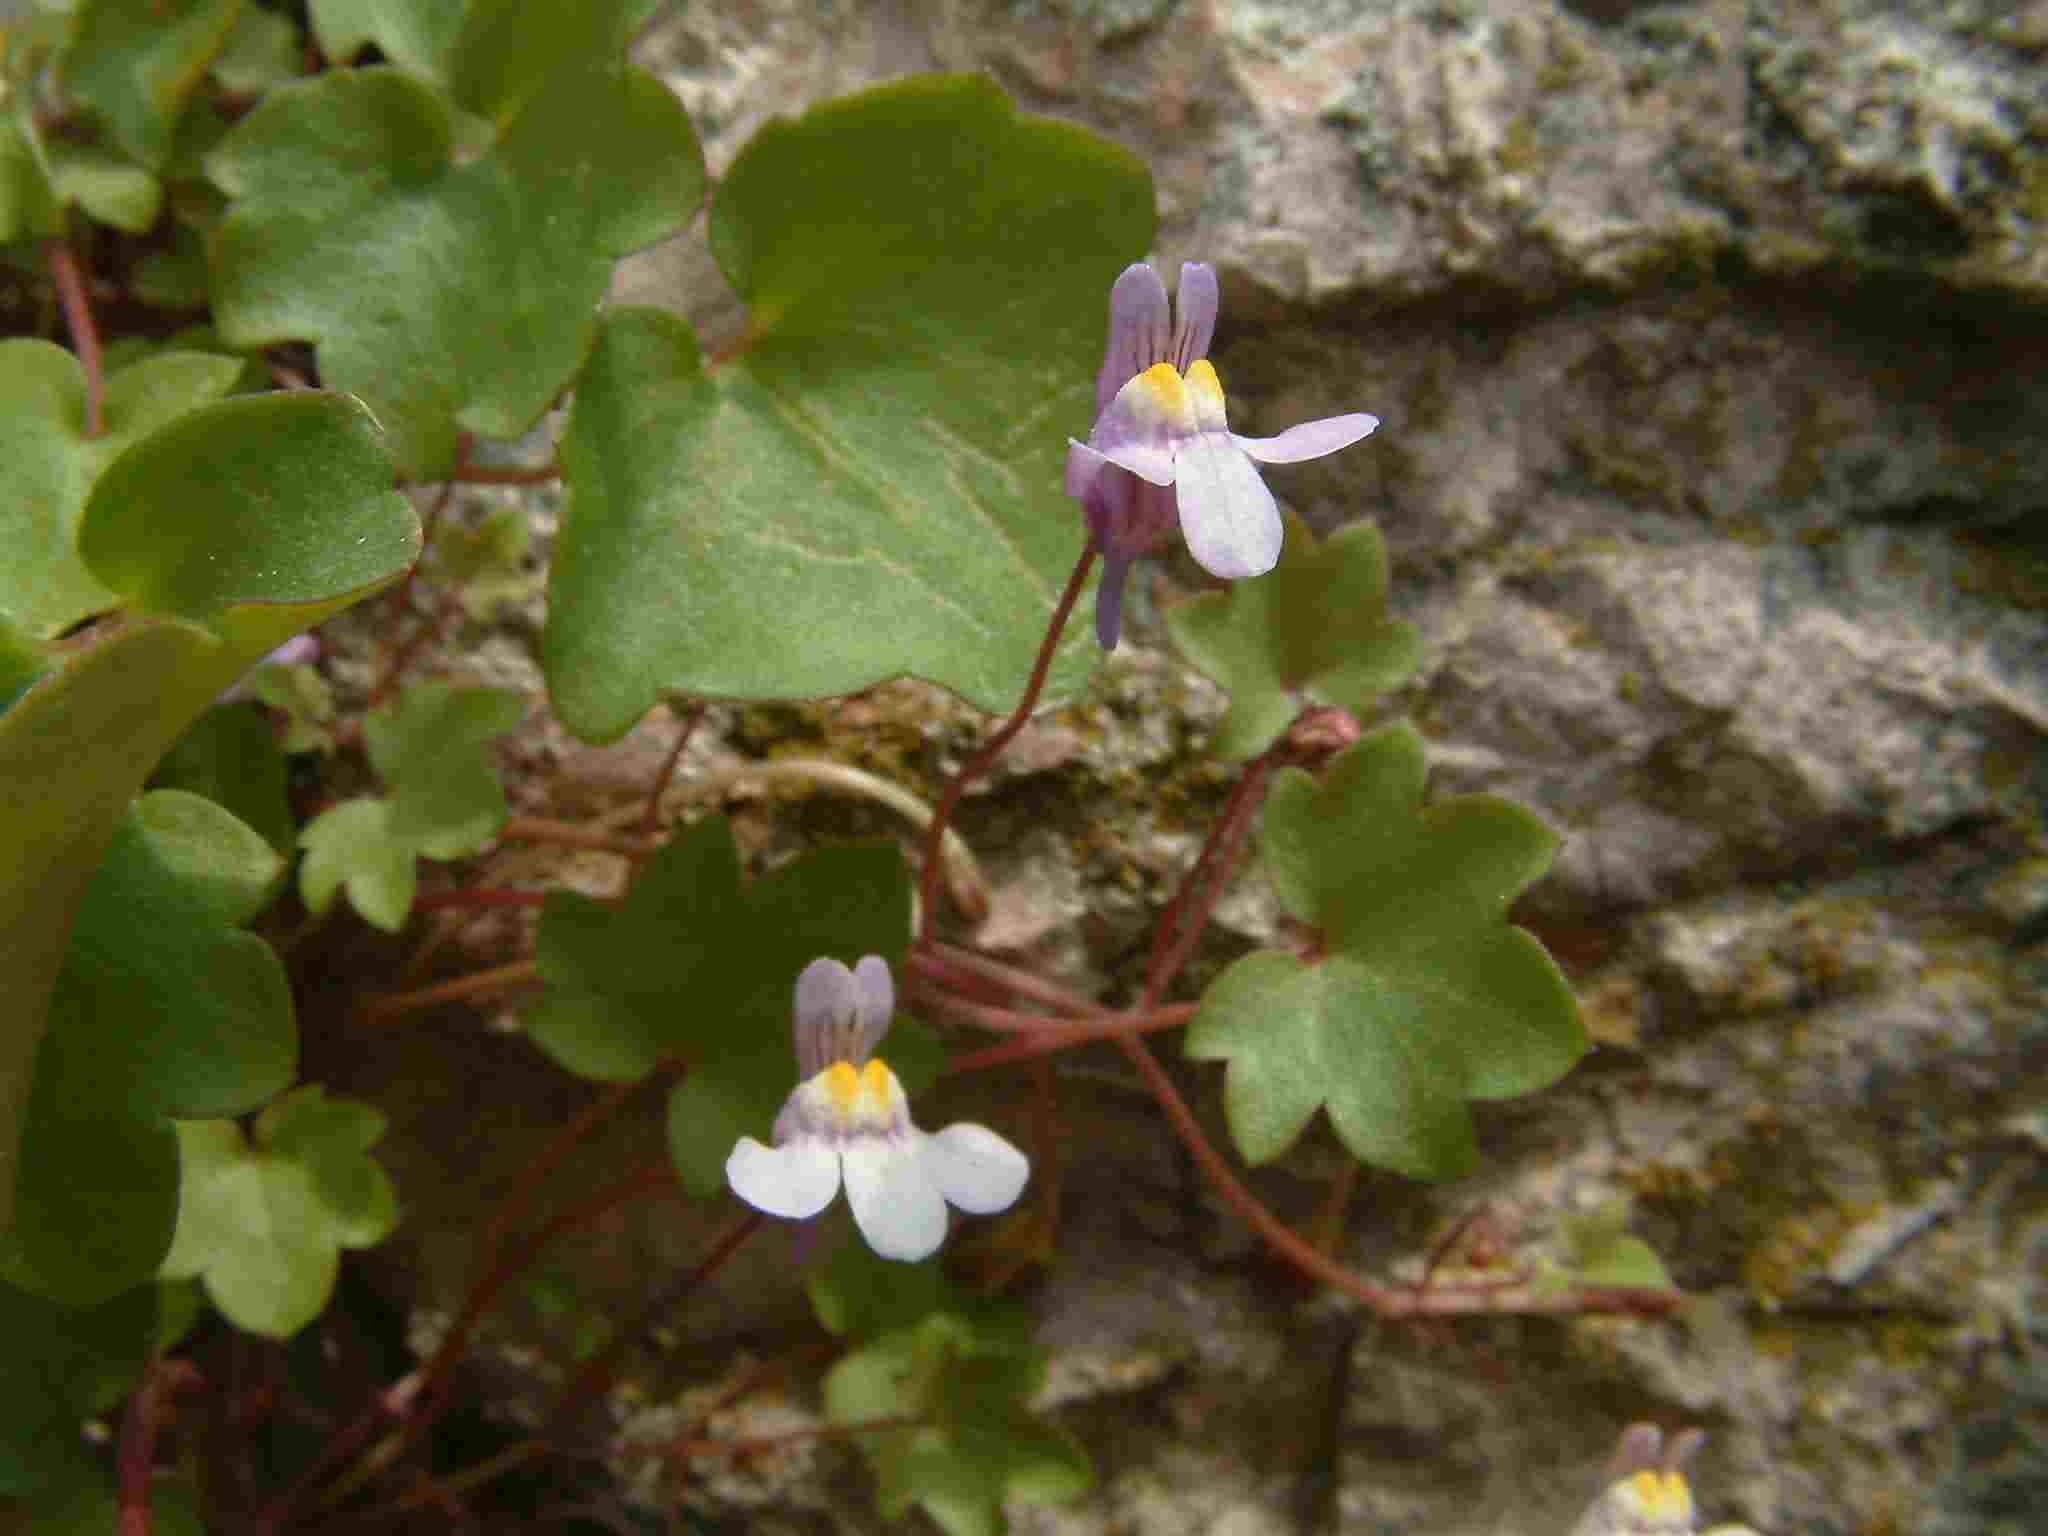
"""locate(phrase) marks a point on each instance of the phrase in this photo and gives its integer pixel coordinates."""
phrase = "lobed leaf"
(965, 1381)
(262, 1220)
(453, 290)
(442, 800)
(163, 1009)
(85, 722)
(695, 964)
(138, 62)
(49, 467)
(1417, 996)
(1314, 631)
(870, 485)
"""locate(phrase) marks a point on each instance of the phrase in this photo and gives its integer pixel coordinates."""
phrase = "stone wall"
(1715, 470)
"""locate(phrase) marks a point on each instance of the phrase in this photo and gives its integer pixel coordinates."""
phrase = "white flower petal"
(1310, 440)
(895, 1202)
(976, 1169)
(1227, 515)
(796, 1181)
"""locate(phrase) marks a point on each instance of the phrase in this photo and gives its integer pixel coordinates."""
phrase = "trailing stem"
(85, 336)
(990, 750)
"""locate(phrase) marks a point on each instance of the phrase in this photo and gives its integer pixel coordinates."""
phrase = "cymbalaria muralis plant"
(285, 277)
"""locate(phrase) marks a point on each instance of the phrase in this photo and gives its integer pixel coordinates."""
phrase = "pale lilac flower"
(848, 1119)
(1646, 1492)
(1162, 451)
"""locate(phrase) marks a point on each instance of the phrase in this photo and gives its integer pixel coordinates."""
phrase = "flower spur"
(1162, 451)
(848, 1120)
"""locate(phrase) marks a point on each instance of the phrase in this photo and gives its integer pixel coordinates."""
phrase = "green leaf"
(1314, 631)
(1602, 1253)
(162, 1010)
(89, 719)
(61, 1364)
(262, 1221)
(859, 1294)
(108, 188)
(262, 51)
(442, 801)
(138, 61)
(454, 292)
(695, 964)
(417, 34)
(299, 693)
(926, 272)
(29, 206)
(230, 755)
(1418, 996)
(225, 864)
(487, 564)
(967, 1381)
(187, 521)
(48, 466)
(349, 847)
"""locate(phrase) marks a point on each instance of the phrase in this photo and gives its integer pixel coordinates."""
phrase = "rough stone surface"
(1715, 471)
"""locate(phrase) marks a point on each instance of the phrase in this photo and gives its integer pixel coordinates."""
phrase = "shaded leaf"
(453, 291)
(162, 1010)
(48, 466)
(1314, 631)
(696, 964)
(966, 1381)
(87, 721)
(138, 61)
(442, 800)
(417, 34)
(926, 272)
(1419, 996)
(262, 1221)
(61, 1364)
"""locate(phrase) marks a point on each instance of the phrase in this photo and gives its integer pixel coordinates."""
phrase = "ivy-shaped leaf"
(1601, 1252)
(298, 692)
(1416, 995)
(62, 1364)
(286, 506)
(927, 273)
(693, 963)
(965, 1382)
(487, 564)
(163, 1010)
(453, 286)
(416, 34)
(1314, 631)
(262, 1220)
(48, 466)
(137, 62)
(442, 800)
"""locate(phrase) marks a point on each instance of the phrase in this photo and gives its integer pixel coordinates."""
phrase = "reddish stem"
(990, 750)
(391, 1403)
(477, 896)
(569, 834)
(1044, 1041)
(650, 818)
(943, 963)
(136, 1460)
(1387, 1301)
(597, 1372)
(498, 978)
(1180, 927)
(85, 337)
(506, 474)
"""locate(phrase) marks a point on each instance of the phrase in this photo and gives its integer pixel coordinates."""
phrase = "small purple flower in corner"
(1162, 451)
(848, 1120)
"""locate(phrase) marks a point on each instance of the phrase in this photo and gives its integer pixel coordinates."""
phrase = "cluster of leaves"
(431, 197)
